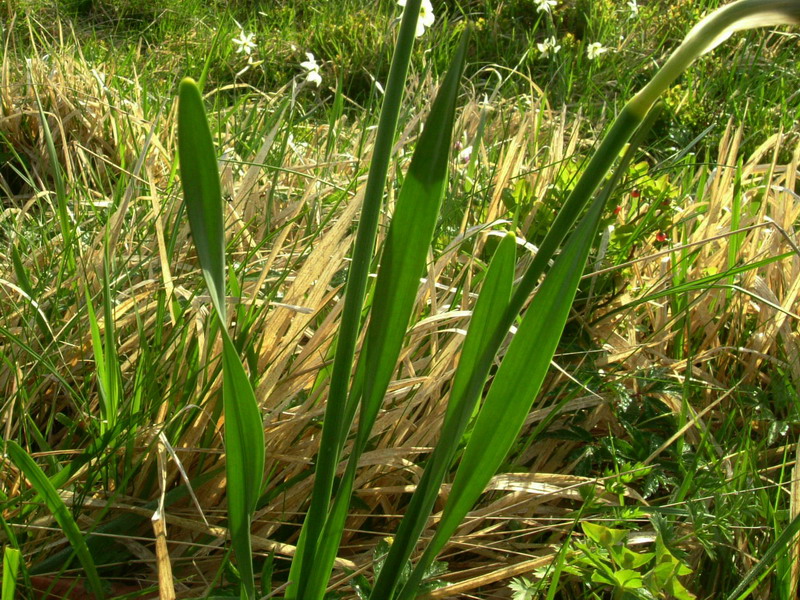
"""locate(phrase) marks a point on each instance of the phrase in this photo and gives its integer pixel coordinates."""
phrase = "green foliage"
(430, 582)
(11, 560)
(45, 488)
(523, 589)
(606, 561)
(244, 433)
(86, 382)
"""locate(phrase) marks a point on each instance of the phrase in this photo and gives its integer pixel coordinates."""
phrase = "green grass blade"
(515, 385)
(201, 190)
(336, 424)
(778, 548)
(105, 355)
(403, 259)
(62, 515)
(99, 363)
(244, 434)
(11, 558)
(494, 296)
(25, 283)
(67, 231)
(113, 370)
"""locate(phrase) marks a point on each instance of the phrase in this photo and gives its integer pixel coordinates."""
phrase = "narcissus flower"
(312, 69)
(548, 47)
(595, 49)
(545, 5)
(245, 43)
(426, 16)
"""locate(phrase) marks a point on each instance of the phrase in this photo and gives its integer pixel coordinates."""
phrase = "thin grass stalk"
(335, 423)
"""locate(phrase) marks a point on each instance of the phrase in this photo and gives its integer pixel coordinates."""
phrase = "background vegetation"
(666, 433)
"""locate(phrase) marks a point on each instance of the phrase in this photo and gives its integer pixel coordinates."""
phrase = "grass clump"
(661, 445)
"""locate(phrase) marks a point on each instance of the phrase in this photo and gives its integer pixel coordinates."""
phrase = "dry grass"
(291, 225)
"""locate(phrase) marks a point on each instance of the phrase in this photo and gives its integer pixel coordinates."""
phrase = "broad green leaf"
(678, 591)
(11, 558)
(515, 385)
(59, 510)
(402, 261)
(244, 434)
(628, 559)
(628, 579)
(201, 190)
(494, 296)
(407, 245)
(486, 318)
(605, 536)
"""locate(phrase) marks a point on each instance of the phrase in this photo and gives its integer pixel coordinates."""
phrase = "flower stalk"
(708, 34)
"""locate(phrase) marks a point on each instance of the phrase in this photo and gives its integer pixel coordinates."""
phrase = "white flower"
(634, 8)
(310, 64)
(246, 42)
(594, 50)
(545, 5)
(426, 16)
(314, 77)
(377, 83)
(548, 47)
(312, 69)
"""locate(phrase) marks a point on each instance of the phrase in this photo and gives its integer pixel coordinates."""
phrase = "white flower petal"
(314, 77)
(311, 63)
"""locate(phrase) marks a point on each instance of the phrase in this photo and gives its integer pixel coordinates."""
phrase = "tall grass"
(403, 256)
(272, 261)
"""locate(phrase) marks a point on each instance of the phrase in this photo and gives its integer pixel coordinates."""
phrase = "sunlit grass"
(680, 353)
